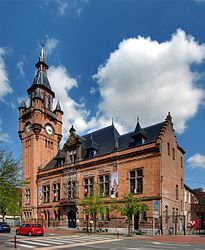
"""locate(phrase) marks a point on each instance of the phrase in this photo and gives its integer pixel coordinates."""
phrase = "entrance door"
(136, 222)
(72, 219)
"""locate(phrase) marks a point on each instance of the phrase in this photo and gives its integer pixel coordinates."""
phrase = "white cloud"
(197, 161)
(74, 113)
(93, 90)
(4, 137)
(20, 67)
(74, 7)
(4, 81)
(148, 79)
(50, 45)
(62, 7)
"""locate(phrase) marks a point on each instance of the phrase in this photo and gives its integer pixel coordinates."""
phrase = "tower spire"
(42, 57)
(41, 64)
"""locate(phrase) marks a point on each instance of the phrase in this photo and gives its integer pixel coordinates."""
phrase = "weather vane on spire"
(42, 54)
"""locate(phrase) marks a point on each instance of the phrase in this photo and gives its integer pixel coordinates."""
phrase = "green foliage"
(10, 200)
(128, 207)
(93, 205)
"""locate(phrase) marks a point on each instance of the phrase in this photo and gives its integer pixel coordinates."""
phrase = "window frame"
(46, 193)
(136, 179)
(56, 189)
(89, 186)
(104, 184)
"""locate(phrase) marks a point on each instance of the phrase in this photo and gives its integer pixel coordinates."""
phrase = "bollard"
(15, 241)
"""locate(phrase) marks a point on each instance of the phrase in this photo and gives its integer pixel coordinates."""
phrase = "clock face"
(49, 129)
(28, 128)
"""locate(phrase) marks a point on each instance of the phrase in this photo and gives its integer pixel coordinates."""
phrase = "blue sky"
(119, 58)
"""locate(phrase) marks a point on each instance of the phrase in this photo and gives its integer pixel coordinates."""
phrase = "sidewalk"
(179, 239)
(61, 231)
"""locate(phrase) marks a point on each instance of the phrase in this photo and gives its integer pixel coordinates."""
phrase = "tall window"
(71, 189)
(177, 192)
(173, 215)
(73, 154)
(104, 185)
(181, 162)
(136, 181)
(177, 213)
(168, 148)
(46, 193)
(144, 216)
(56, 192)
(88, 186)
(28, 196)
(49, 103)
(182, 186)
(173, 153)
(166, 214)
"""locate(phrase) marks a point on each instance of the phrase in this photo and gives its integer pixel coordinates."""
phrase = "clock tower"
(40, 131)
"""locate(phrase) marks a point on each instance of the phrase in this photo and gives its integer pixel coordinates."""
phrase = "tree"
(129, 207)
(93, 205)
(10, 199)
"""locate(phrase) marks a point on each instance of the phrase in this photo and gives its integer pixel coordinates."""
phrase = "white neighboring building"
(189, 198)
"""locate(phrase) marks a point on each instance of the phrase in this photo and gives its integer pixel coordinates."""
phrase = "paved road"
(54, 242)
(65, 240)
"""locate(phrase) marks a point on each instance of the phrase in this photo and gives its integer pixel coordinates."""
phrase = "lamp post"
(42, 219)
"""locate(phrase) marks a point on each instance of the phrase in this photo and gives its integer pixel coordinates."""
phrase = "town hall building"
(146, 162)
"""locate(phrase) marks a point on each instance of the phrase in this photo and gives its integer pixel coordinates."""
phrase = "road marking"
(34, 243)
(78, 244)
(21, 245)
(50, 241)
(171, 244)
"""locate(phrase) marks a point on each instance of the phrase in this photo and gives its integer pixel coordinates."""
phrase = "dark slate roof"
(107, 140)
(22, 105)
(41, 79)
(91, 144)
(104, 138)
(57, 161)
(126, 140)
(139, 132)
(58, 107)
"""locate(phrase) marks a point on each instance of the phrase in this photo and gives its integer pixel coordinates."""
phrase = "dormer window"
(73, 155)
(91, 147)
(92, 153)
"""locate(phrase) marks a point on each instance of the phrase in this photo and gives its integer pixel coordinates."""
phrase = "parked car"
(4, 227)
(30, 229)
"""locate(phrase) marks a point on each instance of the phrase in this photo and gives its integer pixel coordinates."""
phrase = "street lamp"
(42, 219)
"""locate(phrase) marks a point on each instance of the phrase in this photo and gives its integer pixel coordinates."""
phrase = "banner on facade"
(155, 209)
(39, 195)
(114, 185)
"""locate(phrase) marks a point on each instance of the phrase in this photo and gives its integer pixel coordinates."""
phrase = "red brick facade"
(55, 191)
